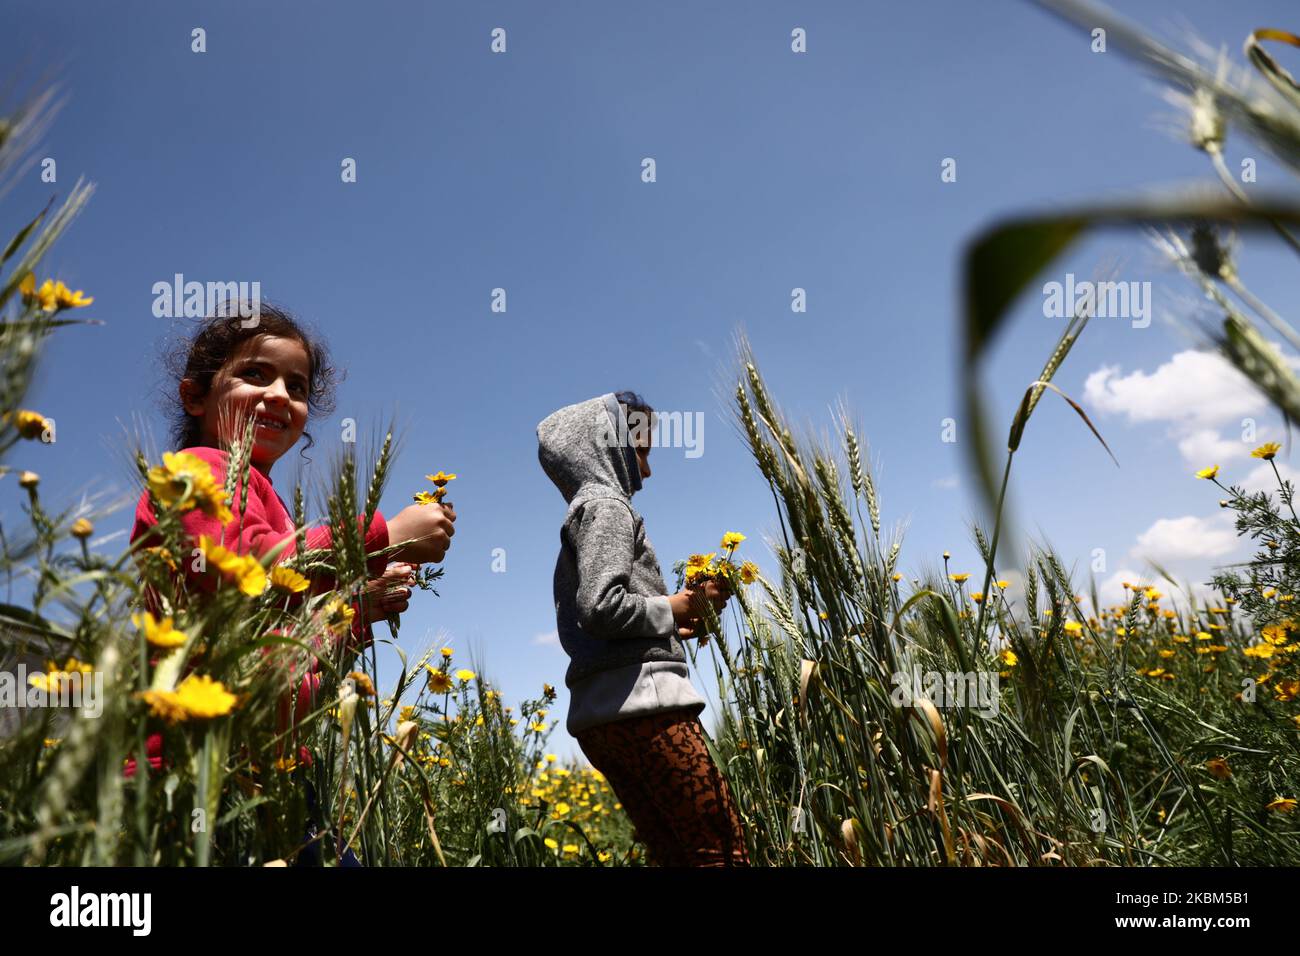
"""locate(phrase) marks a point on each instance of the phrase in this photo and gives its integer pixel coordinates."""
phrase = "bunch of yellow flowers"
(440, 479)
(703, 567)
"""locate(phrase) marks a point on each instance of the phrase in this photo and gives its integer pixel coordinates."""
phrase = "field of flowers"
(1033, 727)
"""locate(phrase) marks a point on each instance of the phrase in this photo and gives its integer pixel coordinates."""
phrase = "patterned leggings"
(660, 768)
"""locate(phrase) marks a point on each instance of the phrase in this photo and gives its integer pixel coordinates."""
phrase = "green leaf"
(16, 242)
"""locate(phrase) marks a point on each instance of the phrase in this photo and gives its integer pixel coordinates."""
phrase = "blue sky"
(522, 171)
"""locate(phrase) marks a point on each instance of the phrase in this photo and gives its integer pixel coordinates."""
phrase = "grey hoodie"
(611, 603)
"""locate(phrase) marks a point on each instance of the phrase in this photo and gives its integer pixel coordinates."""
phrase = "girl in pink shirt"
(269, 368)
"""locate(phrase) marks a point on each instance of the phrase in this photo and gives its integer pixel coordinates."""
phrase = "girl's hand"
(431, 527)
(389, 594)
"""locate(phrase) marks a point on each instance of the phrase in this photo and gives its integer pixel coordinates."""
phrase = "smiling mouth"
(272, 423)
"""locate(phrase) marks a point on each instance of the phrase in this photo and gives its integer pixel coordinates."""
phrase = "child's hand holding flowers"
(709, 584)
(427, 525)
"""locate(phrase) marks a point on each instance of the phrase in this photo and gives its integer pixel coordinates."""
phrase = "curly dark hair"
(200, 356)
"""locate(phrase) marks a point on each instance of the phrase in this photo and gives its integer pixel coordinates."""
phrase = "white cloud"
(1111, 591)
(1171, 540)
(946, 484)
(1205, 445)
(1198, 389)
(548, 639)
(1263, 479)
(1196, 394)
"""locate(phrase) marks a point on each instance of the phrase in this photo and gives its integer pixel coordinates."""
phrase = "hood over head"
(579, 446)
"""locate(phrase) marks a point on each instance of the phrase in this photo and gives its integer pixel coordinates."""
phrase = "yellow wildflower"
(1286, 689)
(46, 297)
(287, 579)
(1275, 634)
(1218, 768)
(198, 697)
(338, 615)
(158, 633)
(67, 299)
(731, 541)
(56, 677)
(1266, 451)
(164, 704)
(185, 481)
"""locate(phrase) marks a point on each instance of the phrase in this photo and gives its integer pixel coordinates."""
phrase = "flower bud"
(29, 479)
(30, 424)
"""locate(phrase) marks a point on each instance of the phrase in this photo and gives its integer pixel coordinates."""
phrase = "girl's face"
(267, 378)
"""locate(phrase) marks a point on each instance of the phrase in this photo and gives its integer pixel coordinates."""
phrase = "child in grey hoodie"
(633, 709)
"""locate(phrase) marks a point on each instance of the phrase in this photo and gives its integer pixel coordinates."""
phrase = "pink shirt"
(266, 522)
